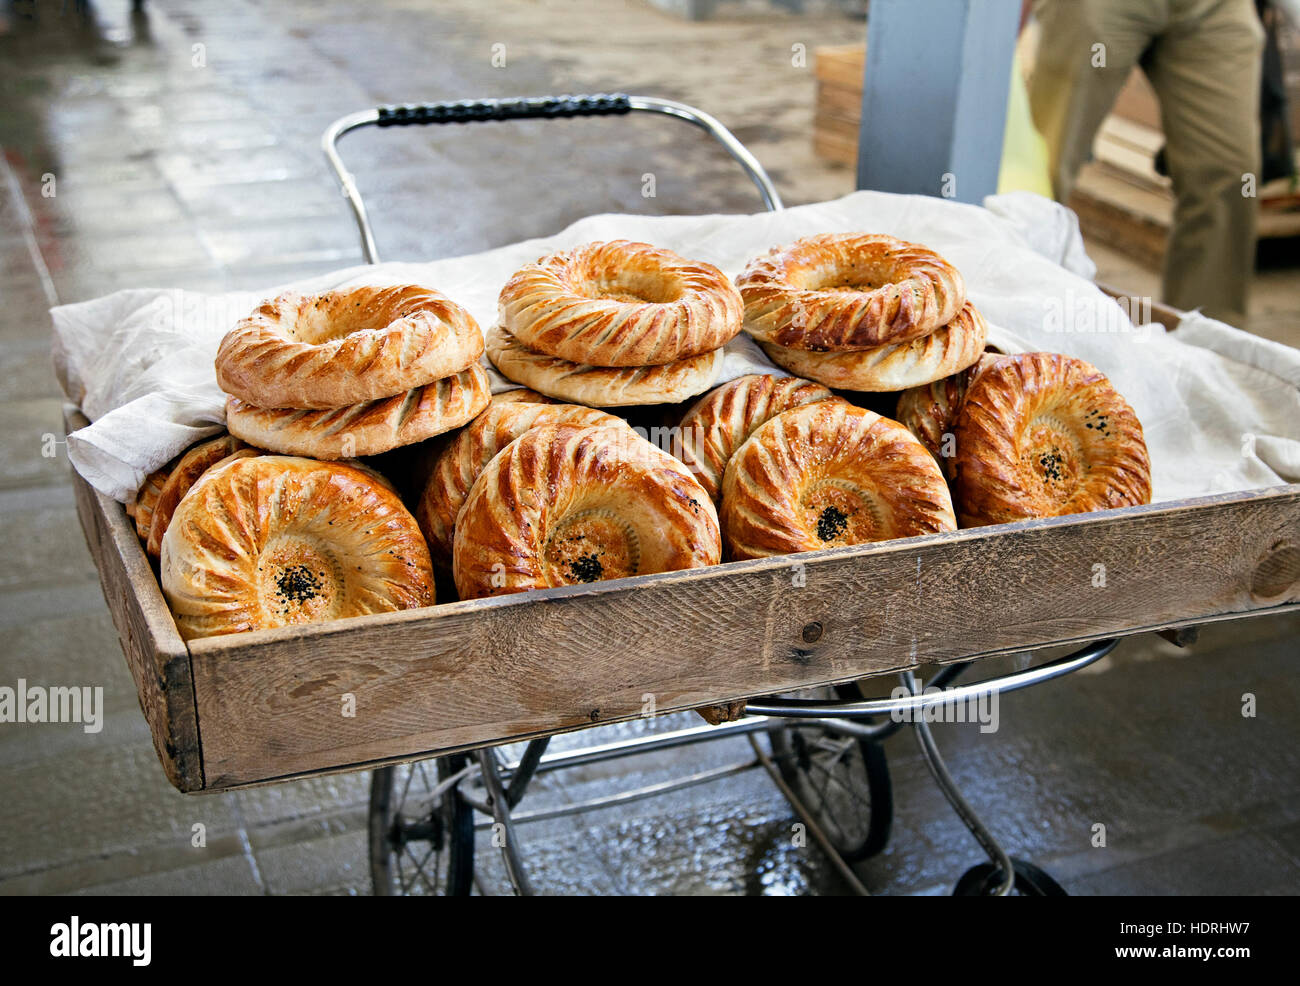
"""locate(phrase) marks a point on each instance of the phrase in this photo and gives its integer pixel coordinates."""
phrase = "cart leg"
(499, 802)
(930, 751)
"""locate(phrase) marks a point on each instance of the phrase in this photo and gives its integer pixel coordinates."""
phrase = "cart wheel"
(418, 847)
(844, 783)
(984, 879)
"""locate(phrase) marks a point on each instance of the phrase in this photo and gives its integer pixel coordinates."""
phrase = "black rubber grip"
(524, 108)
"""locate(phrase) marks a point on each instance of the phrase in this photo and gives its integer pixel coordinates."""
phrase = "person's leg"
(1206, 70)
(1073, 84)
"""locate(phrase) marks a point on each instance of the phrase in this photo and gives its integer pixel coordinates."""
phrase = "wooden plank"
(835, 148)
(272, 703)
(841, 65)
(157, 657)
(844, 102)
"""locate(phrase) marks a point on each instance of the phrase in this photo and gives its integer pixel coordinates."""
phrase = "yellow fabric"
(1025, 162)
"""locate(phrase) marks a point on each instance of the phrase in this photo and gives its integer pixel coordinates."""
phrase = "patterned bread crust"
(930, 411)
(1040, 435)
(829, 474)
(562, 505)
(474, 446)
(522, 395)
(846, 291)
(601, 386)
(722, 419)
(893, 367)
(191, 466)
(620, 304)
(146, 498)
(271, 540)
(346, 347)
(364, 429)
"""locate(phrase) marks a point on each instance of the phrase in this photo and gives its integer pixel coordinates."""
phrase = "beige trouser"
(1203, 60)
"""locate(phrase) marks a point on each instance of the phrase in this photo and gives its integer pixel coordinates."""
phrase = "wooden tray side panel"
(158, 658)
(279, 703)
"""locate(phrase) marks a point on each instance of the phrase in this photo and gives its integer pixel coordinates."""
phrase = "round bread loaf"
(896, 366)
(364, 429)
(1040, 435)
(722, 419)
(601, 386)
(829, 474)
(562, 505)
(346, 347)
(846, 291)
(473, 447)
(620, 304)
(271, 540)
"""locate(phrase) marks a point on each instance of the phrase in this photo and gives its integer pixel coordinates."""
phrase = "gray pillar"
(934, 96)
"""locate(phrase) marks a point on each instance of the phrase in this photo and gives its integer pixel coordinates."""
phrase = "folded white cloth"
(1220, 408)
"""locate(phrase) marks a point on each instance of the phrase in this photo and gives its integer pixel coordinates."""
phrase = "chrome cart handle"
(524, 108)
(482, 110)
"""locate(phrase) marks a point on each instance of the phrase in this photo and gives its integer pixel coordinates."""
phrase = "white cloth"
(1220, 409)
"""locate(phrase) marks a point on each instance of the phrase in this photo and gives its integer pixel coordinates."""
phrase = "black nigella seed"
(831, 523)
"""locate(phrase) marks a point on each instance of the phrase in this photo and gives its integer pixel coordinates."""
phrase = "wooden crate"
(256, 708)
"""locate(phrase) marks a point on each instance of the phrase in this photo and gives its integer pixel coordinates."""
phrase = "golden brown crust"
(829, 474)
(563, 505)
(346, 347)
(1040, 435)
(601, 386)
(364, 429)
(272, 540)
(892, 367)
(147, 497)
(191, 466)
(620, 304)
(722, 419)
(930, 410)
(846, 291)
(474, 446)
(522, 395)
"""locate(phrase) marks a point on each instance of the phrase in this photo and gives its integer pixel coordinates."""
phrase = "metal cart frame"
(806, 734)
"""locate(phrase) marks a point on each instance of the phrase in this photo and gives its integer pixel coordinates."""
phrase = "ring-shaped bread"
(192, 465)
(1041, 435)
(562, 505)
(720, 421)
(346, 347)
(473, 447)
(620, 304)
(146, 498)
(368, 428)
(601, 386)
(897, 366)
(846, 291)
(272, 540)
(829, 474)
(930, 410)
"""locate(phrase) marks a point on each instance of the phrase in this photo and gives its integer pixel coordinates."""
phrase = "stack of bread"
(615, 324)
(861, 311)
(350, 373)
